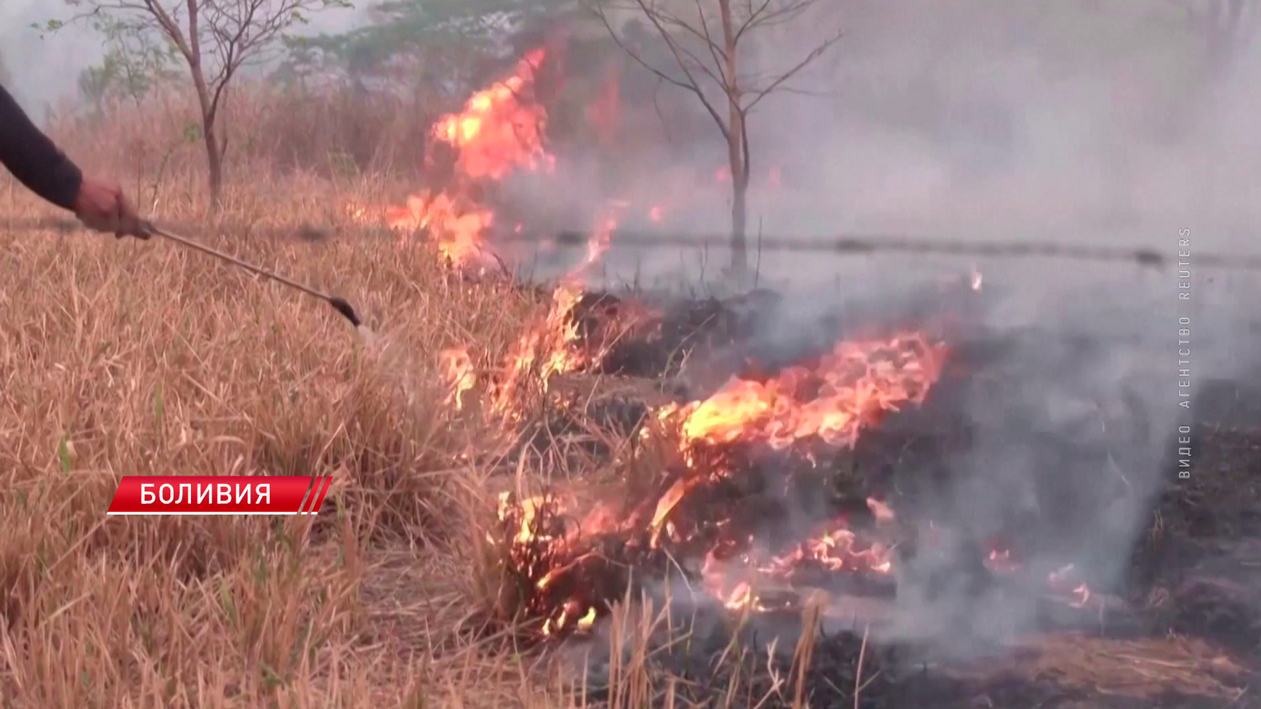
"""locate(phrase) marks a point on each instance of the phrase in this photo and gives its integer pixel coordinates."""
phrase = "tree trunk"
(214, 164)
(209, 110)
(737, 155)
(739, 217)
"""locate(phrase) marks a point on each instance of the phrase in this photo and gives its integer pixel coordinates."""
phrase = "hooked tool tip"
(341, 306)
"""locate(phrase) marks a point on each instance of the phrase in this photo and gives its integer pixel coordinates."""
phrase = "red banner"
(219, 495)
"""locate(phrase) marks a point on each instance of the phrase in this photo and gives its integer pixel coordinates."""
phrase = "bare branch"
(168, 26)
(216, 38)
(719, 54)
(805, 61)
(754, 13)
(689, 85)
(768, 15)
(716, 74)
(639, 59)
(663, 22)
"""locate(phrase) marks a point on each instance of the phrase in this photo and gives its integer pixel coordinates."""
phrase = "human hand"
(102, 206)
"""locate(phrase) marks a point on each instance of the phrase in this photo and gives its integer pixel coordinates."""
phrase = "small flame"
(543, 352)
(457, 367)
(882, 512)
(457, 225)
(1064, 581)
(836, 549)
(601, 238)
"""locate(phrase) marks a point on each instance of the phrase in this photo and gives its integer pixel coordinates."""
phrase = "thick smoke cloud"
(973, 119)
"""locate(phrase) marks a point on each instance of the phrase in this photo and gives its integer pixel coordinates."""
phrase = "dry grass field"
(142, 358)
(138, 358)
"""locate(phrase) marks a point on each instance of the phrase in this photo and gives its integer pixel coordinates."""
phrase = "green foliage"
(399, 28)
(63, 454)
(136, 59)
(129, 69)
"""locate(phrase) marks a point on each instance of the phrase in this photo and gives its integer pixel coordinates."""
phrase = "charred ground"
(1179, 629)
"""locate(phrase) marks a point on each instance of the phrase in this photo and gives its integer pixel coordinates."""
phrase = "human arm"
(39, 164)
(34, 159)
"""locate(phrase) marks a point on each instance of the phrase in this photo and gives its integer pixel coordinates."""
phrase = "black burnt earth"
(660, 341)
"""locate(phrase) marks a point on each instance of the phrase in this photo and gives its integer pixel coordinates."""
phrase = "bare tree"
(708, 43)
(215, 39)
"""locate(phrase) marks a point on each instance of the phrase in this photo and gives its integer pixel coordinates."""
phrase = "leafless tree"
(708, 43)
(214, 38)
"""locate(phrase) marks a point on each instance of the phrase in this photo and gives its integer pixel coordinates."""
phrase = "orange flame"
(499, 130)
(601, 238)
(457, 366)
(828, 401)
(456, 225)
(543, 352)
(856, 382)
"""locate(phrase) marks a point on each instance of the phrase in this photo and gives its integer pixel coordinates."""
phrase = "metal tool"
(339, 304)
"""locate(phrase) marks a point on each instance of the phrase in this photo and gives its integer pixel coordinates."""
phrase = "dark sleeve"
(33, 158)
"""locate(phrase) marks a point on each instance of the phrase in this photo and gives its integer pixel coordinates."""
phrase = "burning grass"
(483, 499)
(105, 378)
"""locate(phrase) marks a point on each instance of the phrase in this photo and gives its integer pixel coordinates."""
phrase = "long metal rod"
(339, 304)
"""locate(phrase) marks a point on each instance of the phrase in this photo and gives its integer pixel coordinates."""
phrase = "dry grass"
(139, 358)
(127, 357)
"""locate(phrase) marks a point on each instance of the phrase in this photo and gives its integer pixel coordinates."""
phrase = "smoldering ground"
(1051, 430)
(976, 120)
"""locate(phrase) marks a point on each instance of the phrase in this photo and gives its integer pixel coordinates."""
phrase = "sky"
(46, 69)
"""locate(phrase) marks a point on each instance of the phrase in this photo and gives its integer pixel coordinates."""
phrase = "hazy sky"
(47, 69)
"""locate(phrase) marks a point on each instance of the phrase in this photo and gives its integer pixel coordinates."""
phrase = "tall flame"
(499, 131)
